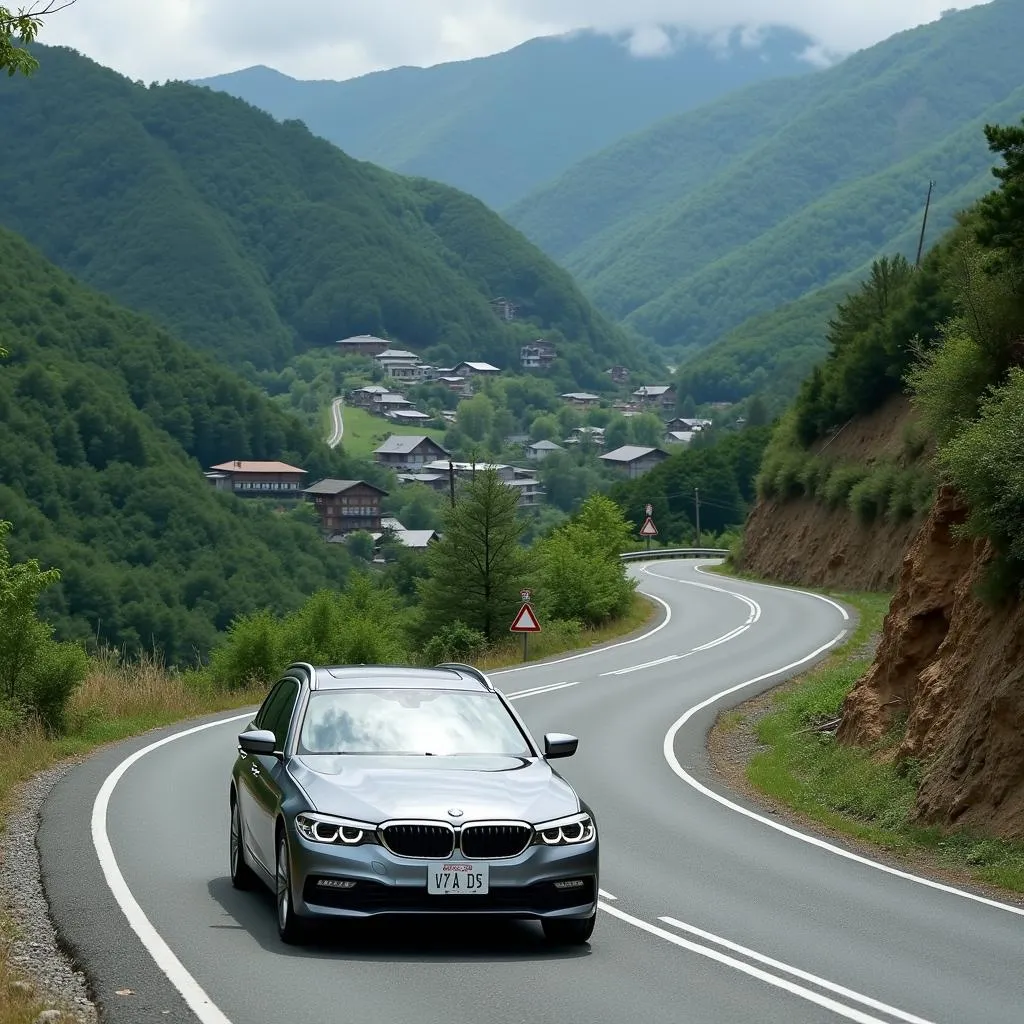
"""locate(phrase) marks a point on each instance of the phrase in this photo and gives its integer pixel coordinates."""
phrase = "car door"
(266, 774)
(249, 792)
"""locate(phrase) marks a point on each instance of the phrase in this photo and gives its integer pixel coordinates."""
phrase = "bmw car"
(372, 790)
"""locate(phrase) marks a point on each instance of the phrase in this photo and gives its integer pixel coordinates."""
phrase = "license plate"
(457, 878)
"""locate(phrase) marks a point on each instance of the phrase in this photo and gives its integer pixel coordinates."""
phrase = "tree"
(478, 567)
(1002, 211)
(757, 412)
(23, 25)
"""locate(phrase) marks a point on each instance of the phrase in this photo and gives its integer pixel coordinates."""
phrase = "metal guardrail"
(637, 556)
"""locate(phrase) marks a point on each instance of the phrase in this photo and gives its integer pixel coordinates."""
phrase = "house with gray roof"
(409, 451)
(634, 460)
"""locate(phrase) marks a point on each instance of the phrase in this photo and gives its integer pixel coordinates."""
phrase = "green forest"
(254, 240)
(688, 230)
(949, 335)
(106, 425)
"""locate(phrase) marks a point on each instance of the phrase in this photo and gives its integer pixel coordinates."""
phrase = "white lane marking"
(755, 608)
(668, 750)
(540, 689)
(789, 590)
(192, 992)
(755, 972)
(597, 650)
(606, 895)
(839, 990)
(646, 664)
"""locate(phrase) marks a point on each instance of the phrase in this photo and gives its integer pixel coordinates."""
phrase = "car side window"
(260, 721)
(280, 713)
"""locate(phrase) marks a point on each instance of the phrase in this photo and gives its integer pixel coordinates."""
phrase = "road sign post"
(525, 622)
(648, 530)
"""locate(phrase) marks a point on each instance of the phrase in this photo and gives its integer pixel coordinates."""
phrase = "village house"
(581, 398)
(249, 479)
(661, 396)
(345, 506)
(537, 356)
(475, 369)
(586, 435)
(410, 451)
(683, 423)
(400, 364)
(410, 416)
(525, 481)
(634, 460)
(388, 403)
(678, 436)
(363, 398)
(540, 450)
(456, 385)
(362, 345)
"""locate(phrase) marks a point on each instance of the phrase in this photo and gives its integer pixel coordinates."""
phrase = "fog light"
(575, 883)
(335, 883)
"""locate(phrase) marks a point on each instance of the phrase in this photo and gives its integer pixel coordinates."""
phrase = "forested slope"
(502, 125)
(106, 424)
(714, 216)
(254, 239)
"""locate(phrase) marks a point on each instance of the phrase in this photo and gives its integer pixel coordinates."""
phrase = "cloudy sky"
(154, 40)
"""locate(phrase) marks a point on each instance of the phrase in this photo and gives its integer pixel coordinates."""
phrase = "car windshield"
(409, 721)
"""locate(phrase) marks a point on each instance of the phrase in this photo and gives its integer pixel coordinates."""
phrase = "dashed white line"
(646, 664)
(541, 689)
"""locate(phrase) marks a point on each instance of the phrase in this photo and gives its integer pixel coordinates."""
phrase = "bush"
(250, 654)
(841, 481)
(869, 497)
(454, 642)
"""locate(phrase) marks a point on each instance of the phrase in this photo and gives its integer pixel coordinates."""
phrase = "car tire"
(290, 927)
(569, 931)
(242, 876)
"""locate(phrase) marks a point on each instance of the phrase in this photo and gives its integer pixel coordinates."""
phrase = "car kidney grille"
(487, 841)
(419, 840)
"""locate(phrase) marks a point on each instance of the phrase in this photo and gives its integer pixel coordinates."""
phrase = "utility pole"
(696, 508)
(924, 223)
(451, 480)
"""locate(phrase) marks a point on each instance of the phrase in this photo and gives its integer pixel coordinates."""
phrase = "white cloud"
(158, 39)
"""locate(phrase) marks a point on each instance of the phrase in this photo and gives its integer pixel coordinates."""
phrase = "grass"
(364, 431)
(860, 792)
(120, 699)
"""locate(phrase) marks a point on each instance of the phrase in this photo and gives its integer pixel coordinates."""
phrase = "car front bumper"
(523, 886)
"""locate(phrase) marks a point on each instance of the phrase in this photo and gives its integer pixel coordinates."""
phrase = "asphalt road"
(337, 423)
(712, 913)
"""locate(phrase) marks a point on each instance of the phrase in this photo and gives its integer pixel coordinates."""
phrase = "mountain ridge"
(445, 122)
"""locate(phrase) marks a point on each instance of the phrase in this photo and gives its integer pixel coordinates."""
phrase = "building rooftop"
(630, 453)
(245, 466)
(653, 390)
(338, 486)
(483, 367)
(362, 339)
(395, 353)
(582, 396)
(410, 414)
(403, 444)
(546, 446)
(391, 398)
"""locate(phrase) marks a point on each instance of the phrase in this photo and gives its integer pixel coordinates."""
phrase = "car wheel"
(289, 925)
(568, 931)
(242, 876)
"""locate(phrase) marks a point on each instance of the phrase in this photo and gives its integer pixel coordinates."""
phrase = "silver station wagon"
(370, 790)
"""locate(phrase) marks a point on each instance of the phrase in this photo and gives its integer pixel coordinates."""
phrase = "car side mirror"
(259, 741)
(560, 744)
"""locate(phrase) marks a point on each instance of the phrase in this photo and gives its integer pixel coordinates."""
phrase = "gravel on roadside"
(35, 949)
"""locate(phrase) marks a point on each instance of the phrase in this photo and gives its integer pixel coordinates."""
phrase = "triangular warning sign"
(648, 529)
(525, 621)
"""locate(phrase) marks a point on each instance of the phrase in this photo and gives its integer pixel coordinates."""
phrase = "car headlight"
(578, 828)
(324, 828)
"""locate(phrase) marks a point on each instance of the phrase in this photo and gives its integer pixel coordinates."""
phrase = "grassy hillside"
(687, 230)
(500, 126)
(254, 239)
(106, 424)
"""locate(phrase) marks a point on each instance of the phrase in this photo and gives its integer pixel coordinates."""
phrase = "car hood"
(373, 789)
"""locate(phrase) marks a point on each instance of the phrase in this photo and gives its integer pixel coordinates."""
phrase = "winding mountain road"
(337, 423)
(711, 911)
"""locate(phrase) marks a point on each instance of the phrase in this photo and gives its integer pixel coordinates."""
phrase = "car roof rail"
(308, 669)
(469, 670)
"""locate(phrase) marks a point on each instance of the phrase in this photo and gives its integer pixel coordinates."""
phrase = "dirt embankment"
(952, 667)
(805, 542)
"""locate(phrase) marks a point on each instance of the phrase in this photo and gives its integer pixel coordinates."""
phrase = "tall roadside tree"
(477, 568)
(21, 26)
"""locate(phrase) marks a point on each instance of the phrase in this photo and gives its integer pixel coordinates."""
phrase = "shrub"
(250, 654)
(454, 642)
(869, 497)
(841, 481)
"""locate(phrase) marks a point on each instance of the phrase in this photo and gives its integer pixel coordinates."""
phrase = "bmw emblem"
(455, 812)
